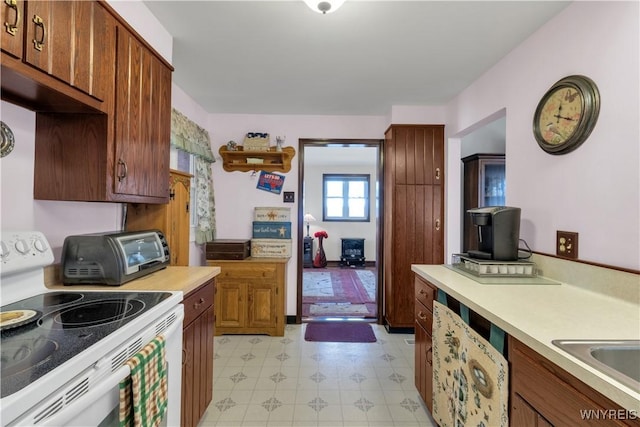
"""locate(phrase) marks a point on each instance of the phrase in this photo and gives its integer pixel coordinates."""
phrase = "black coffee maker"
(498, 233)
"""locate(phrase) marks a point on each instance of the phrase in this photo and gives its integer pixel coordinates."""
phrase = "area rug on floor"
(339, 332)
(339, 292)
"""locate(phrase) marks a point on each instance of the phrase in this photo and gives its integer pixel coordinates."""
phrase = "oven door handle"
(80, 405)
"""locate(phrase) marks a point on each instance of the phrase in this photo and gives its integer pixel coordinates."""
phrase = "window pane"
(356, 208)
(334, 188)
(356, 189)
(334, 207)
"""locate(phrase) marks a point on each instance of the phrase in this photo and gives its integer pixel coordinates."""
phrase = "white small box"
(270, 248)
(272, 214)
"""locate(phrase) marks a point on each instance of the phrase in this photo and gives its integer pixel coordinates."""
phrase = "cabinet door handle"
(199, 303)
(124, 170)
(13, 28)
(437, 225)
(423, 292)
(422, 316)
(39, 44)
(438, 173)
(430, 355)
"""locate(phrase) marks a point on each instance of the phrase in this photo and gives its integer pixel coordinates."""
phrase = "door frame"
(379, 214)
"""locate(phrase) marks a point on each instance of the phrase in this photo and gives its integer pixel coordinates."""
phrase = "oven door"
(100, 405)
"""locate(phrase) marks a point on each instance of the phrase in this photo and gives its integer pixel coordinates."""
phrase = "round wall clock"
(566, 114)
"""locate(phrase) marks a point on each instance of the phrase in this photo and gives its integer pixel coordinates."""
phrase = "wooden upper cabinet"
(417, 154)
(143, 117)
(70, 40)
(12, 17)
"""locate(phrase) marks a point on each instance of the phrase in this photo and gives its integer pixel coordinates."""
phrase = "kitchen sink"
(618, 359)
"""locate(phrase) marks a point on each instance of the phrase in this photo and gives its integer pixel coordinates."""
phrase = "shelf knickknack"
(268, 161)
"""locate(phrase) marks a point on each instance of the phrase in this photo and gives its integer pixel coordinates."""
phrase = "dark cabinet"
(307, 252)
(12, 15)
(413, 214)
(197, 354)
(484, 185)
(424, 296)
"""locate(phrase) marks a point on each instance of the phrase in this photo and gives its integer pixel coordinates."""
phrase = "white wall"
(594, 190)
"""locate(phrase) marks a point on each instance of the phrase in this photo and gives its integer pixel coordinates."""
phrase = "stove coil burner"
(95, 313)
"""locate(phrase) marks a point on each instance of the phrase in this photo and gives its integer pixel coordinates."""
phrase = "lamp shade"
(308, 218)
(324, 6)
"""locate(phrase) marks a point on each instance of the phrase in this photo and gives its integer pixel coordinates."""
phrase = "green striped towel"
(143, 394)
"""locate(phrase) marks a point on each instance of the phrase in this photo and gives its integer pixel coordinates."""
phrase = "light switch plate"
(289, 196)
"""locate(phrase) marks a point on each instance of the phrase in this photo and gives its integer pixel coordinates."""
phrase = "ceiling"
(279, 57)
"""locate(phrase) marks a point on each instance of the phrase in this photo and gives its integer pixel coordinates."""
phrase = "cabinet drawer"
(425, 293)
(247, 271)
(424, 317)
(198, 302)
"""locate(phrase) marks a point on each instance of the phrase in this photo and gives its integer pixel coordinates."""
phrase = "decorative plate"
(8, 141)
(15, 318)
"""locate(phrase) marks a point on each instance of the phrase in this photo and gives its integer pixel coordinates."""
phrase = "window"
(186, 162)
(346, 197)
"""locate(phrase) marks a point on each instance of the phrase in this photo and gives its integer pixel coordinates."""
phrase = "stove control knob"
(22, 246)
(40, 245)
(4, 250)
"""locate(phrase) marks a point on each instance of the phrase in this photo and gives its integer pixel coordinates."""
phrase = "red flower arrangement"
(321, 234)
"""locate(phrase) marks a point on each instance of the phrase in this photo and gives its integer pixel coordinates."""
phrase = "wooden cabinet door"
(72, 41)
(230, 303)
(188, 374)
(142, 124)
(12, 17)
(262, 305)
(523, 415)
(179, 217)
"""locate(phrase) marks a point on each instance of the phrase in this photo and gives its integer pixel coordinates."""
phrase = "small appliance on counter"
(498, 233)
(113, 258)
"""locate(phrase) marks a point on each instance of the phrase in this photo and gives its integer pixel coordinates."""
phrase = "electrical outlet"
(567, 244)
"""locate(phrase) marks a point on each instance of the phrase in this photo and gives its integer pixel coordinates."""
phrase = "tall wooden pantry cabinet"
(413, 214)
(172, 218)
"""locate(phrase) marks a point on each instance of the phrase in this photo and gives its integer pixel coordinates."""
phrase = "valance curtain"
(187, 136)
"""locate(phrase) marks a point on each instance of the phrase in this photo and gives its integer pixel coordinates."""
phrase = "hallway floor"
(287, 381)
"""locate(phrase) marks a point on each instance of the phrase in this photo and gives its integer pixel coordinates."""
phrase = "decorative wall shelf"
(268, 161)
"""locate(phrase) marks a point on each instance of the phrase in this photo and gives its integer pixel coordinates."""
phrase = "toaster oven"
(113, 258)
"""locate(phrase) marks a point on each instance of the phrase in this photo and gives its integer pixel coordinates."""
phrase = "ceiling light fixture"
(324, 6)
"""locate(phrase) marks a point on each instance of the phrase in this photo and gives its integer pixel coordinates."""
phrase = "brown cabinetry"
(268, 161)
(171, 218)
(12, 17)
(413, 214)
(424, 295)
(197, 354)
(484, 185)
(543, 394)
(250, 296)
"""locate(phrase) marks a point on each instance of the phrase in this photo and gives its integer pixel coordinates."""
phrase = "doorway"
(347, 286)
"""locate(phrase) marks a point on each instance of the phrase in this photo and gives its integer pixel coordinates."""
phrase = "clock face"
(566, 114)
(560, 115)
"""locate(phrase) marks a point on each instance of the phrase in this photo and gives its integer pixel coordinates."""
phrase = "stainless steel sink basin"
(619, 360)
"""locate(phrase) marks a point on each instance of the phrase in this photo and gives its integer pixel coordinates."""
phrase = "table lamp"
(308, 218)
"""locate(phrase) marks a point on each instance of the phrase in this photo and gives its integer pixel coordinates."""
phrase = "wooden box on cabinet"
(250, 296)
(197, 361)
(484, 185)
(172, 218)
(268, 161)
(413, 214)
(424, 295)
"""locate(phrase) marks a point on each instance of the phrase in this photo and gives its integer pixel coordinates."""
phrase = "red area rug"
(339, 332)
(342, 292)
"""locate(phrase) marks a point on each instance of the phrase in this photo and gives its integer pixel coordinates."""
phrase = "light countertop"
(184, 279)
(538, 314)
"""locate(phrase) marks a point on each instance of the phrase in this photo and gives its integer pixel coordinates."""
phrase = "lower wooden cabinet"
(543, 394)
(250, 296)
(197, 353)
(424, 296)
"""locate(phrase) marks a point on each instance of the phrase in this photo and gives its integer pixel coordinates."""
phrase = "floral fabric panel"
(470, 377)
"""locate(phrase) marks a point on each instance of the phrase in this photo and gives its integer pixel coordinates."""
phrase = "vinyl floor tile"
(287, 381)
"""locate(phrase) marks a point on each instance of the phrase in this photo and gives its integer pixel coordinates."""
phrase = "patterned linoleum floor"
(287, 381)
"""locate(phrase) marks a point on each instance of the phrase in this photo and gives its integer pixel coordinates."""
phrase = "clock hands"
(558, 116)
